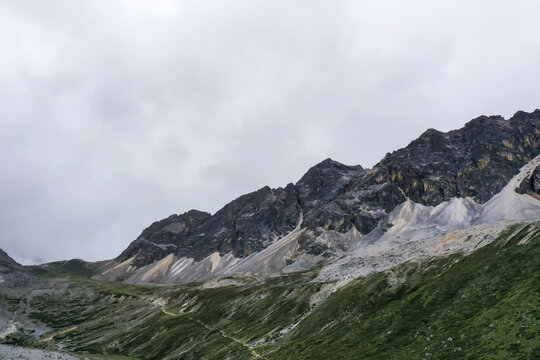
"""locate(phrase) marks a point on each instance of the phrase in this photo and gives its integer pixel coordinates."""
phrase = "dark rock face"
(247, 224)
(318, 189)
(163, 237)
(5, 259)
(7, 264)
(175, 229)
(531, 184)
(324, 182)
(475, 161)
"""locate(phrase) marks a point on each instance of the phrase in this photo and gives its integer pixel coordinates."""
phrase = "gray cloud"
(115, 114)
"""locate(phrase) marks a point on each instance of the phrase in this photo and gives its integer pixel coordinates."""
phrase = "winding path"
(209, 328)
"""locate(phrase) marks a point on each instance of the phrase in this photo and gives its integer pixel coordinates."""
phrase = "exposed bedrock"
(476, 161)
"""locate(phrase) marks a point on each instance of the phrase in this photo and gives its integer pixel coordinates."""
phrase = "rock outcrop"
(6, 260)
(163, 237)
(475, 161)
(531, 184)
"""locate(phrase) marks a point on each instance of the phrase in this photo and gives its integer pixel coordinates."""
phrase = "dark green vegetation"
(482, 306)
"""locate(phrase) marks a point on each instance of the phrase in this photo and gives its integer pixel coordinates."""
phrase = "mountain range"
(473, 163)
(316, 268)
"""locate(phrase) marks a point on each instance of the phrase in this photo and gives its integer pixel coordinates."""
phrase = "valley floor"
(485, 305)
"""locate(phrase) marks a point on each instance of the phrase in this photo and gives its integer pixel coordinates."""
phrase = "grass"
(482, 306)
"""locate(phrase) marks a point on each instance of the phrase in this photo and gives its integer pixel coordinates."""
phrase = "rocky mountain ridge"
(411, 231)
(475, 162)
(432, 252)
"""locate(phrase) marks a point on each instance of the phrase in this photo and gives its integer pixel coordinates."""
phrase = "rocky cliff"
(475, 161)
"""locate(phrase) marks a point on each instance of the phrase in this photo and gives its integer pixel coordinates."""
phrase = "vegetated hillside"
(483, 306)
(433, 253)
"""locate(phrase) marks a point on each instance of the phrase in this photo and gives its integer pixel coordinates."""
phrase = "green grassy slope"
(485, 305)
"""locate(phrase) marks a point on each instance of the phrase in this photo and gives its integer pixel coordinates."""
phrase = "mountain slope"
(338, 204)
(484, 305)
(432, 253)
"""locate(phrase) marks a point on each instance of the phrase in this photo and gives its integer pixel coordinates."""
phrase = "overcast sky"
(114, 114)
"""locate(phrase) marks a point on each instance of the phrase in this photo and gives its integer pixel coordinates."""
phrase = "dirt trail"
(50, 337)
(209, 328)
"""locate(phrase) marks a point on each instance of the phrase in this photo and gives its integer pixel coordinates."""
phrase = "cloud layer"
(116, 114)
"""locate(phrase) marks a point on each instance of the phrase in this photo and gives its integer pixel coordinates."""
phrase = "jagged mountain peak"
(485, 120)
(472, 163)
(523, 115)
(163, 236)
(431, 133)
(325, 181)
(329, 163)
(196, 213)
